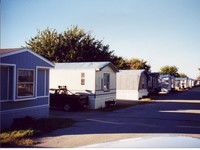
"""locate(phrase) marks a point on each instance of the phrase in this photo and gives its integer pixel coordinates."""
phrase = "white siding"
(101, 95)
(72, 79)
(165, 83)
(128, 86)
(93, 83)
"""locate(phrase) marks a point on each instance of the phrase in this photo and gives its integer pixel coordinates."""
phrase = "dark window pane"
(25, 82)
(25, 76)
(25, 89)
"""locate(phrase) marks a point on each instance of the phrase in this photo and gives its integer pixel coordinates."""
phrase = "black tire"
(67, 107)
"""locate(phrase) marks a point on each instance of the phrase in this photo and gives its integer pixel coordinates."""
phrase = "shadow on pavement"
(173, 113)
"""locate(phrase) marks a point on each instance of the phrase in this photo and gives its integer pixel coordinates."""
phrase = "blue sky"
(162, 32)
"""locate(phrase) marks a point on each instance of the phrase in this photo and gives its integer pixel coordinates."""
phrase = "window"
(25, 82)
(42, 82)
(106, 82)
(6, 79)
(82, 78)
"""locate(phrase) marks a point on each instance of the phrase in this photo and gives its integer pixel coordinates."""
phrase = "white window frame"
(29, 96)
(46, 94)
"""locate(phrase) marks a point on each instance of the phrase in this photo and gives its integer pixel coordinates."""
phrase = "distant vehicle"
(66, 100)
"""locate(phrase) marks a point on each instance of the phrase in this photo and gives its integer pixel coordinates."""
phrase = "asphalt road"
(172, 114)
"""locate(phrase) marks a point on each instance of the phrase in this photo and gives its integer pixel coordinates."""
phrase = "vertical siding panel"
(40, 82)
(11, 78)
(47, 82)
(25, 60)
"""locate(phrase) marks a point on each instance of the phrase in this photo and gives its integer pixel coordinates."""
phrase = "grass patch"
(23, 131)
(17, 137)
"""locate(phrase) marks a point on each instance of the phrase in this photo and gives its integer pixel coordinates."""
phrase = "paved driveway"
(176, 113)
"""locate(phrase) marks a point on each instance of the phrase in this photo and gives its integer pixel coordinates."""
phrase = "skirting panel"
(35, 112)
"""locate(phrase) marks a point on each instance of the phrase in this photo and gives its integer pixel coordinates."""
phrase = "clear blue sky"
(162, 32)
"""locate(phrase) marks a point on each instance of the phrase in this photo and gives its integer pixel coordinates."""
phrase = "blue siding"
(11, 78)
(42, 85)
(25, 60)
(47, 82)
(6, 86)
(41, 82)
(23, 104)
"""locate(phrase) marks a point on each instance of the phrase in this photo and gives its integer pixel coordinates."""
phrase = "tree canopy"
(172, 70)
(73, 45)
(76, 45)
(198, 78)
(182, 75)
(135, 64)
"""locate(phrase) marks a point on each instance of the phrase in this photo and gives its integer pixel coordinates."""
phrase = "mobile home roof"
(14, 51)
(85, 65)
(165, 75)
(136, 72)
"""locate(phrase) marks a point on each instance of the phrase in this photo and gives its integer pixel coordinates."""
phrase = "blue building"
(24, 85)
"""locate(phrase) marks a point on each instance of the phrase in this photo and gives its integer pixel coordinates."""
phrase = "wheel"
(67, 107)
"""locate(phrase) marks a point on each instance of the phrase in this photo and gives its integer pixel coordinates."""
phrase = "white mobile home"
(173, 83)
(197, 83)
(191, 82)
(132, 84)
(167, 82)
(97, 79)
(181, 83)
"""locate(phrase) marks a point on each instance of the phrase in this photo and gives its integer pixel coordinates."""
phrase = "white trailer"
(132, 84)
(181, 83)
(166, 82)
(96, 79)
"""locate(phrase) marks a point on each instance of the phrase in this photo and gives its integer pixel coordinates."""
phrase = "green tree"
(122, 64)
(172, 70)
(135, 64)
(73, 45)
(182, 75)
(45, 43)
(198, 78)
